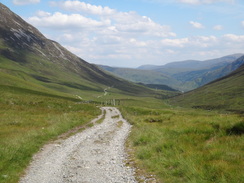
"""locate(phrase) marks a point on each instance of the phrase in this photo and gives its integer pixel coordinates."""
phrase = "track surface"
(95, 155)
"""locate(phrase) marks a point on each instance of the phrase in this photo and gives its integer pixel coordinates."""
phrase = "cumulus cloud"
(198, 41)
(196, 25)
(234, 38)
(64, 21)
(83, 7)
(24, 2)
(124, 22)
(113, 21)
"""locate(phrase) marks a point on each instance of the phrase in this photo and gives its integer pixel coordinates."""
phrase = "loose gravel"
(95, 155)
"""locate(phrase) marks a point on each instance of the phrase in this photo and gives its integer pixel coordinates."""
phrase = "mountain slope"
(28, 55)
(225, 93)
(207, 74)
(142, 76)
(182, 75)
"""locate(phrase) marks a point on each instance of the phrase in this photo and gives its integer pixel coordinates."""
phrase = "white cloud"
(142, 25)
(198, 41)
(175, 42)
(198, 2)
(123, 22)
(43, 13)
(83, 7)
(64, 21)
(234, 38)
(24, 2)
(196, 25)
(218, 27)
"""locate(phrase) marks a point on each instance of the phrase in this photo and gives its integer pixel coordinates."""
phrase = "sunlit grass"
(27, 121)
(186, 145)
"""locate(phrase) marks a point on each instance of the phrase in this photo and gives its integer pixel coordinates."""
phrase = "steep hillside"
(225, 93)
(206, 75)
(27, 55)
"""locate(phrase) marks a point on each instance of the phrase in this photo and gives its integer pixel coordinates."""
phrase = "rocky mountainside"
(27, 52)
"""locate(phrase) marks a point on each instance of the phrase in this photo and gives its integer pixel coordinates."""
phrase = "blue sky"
(130, 33)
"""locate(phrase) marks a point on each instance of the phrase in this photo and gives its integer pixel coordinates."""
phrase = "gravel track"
(95, 155)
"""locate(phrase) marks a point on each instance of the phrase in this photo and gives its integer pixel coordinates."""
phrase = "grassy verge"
(28, 120)
(187, 145)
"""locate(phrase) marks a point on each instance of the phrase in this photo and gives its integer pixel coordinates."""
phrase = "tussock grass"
(29, 119)
(186, 145)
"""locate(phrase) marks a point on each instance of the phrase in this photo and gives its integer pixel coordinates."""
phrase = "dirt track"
(95, 155)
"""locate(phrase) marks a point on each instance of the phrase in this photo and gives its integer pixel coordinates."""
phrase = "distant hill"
(225, 93)
(203, 76)
(29, 60)
(194, 64)
(181, 75)
(142, 76)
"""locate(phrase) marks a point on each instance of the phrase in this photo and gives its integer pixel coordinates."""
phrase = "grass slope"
(48, 76)
(185, 145)
(29, 119)
(223, 94)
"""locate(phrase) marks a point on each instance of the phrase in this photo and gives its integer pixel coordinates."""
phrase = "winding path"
(95, 155)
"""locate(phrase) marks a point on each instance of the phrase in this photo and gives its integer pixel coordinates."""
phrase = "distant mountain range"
(29, 60)
(181, 75)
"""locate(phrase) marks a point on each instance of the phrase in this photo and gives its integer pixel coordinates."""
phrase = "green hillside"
(223, 94)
